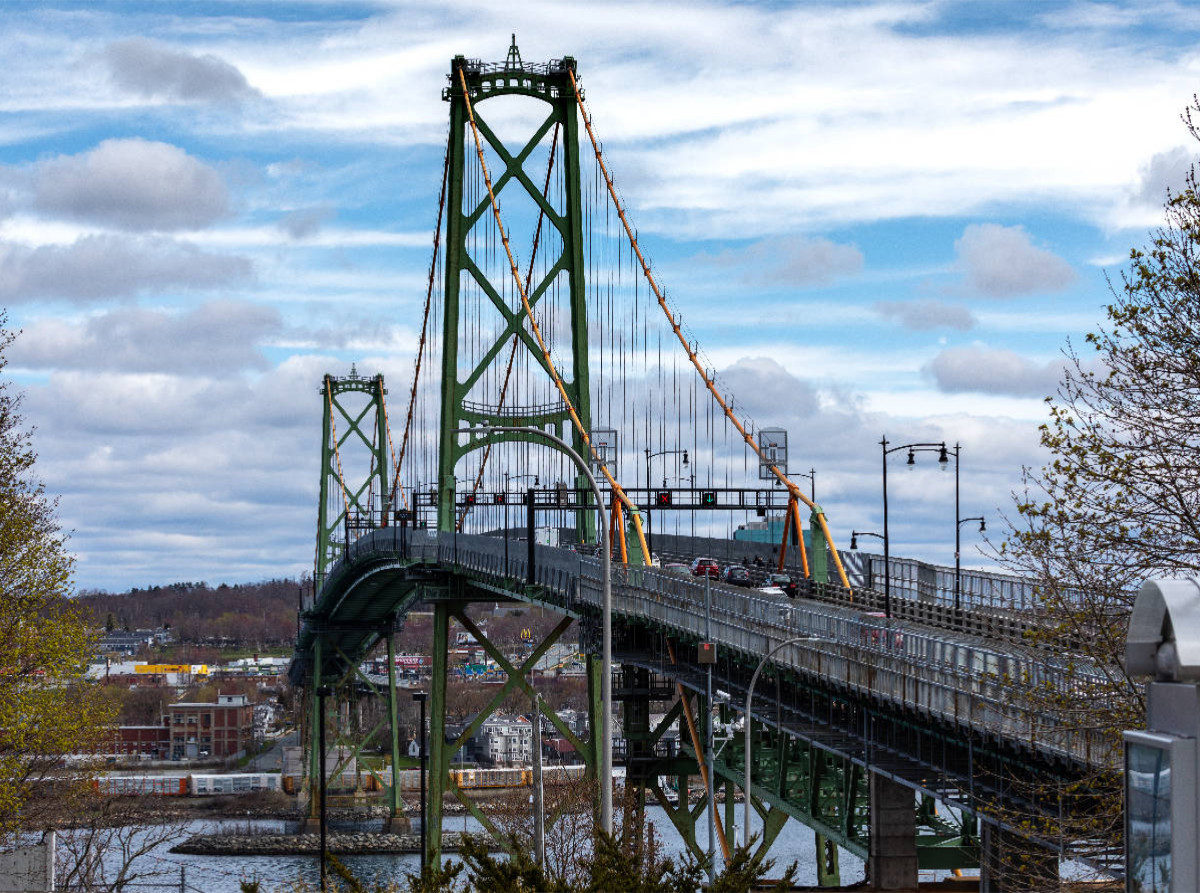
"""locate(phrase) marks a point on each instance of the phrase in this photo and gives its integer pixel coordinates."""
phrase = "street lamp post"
(746, 747)
(854, 535)
(957, 546)
(913, 449)
(323, 691)
(606, 741)
(420, 697)
(812, 479)
(649, 489)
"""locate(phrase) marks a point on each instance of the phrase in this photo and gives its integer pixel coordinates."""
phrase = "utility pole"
(708, 738)
(539, 810)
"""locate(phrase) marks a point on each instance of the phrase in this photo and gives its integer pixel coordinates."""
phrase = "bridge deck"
(962, 680)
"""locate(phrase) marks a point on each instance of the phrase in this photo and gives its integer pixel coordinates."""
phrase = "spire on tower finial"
(353, 371)
(514, 56)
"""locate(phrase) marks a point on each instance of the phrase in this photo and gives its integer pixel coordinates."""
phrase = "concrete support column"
(893, 861)
(1009, 863)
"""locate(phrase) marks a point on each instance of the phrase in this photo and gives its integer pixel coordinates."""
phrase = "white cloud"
(134, 184)
(304, 223)
(994, 371)
(789, 260)
(216, 339)
(1002, 262)
(924, 315)
(109, 266)
(150, 68)
(1165, 171)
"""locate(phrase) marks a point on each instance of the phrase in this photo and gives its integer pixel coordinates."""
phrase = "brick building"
(204, 729)
(150, 742)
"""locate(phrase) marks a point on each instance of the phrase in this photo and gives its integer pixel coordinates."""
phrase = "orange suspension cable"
(795, 508)
(387, 426)
(558, 383)
(792, 488)
(337, 455)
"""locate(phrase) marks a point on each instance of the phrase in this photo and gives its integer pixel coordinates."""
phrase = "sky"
(882, 218)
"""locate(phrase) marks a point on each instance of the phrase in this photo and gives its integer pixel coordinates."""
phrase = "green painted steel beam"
(354, 424)
(545, 84)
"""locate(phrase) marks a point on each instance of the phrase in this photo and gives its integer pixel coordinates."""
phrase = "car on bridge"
(677, 569)
(736, 575)
(782, 582)
(706, 567)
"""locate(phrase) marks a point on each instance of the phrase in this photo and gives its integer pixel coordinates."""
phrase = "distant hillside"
(245, 614)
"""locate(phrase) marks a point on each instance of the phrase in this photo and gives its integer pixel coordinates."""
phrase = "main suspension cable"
(818, 513)
(516, 274)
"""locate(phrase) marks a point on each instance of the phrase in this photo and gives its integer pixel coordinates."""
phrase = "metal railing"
(960, 679)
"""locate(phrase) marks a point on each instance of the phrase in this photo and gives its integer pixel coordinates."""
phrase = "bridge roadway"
(939, 711)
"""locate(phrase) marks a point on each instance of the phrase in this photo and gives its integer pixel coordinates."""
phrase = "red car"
(706, 567)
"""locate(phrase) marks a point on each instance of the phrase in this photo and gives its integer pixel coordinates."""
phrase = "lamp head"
(853, 541)
(685, 458)
(982, 526)
(943, 457)
(912, 460)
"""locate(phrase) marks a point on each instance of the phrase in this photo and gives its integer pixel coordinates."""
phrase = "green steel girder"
(830, 794)
(442, 751)
(821, 790)
(550, 84)
(345, 431)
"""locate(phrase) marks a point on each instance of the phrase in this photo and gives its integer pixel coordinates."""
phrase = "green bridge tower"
(549, 84)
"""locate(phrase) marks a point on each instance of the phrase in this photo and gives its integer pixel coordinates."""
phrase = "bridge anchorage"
(904, 741)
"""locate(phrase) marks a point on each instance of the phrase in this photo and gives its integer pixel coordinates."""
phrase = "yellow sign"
(191, 669)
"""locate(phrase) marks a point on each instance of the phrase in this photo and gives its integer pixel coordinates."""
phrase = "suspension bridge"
(901, 736)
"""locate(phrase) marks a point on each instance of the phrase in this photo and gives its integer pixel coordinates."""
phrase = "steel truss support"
(349, 737)
(649, 758)
(355, 422)
(443, 751)
(552, 85)
(820, 789)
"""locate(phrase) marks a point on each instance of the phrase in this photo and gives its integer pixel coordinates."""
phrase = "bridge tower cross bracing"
(549, 84)
(354, 434)
(354, 479)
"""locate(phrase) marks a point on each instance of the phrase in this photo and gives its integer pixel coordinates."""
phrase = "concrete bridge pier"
(1009, 863)
(892, 864)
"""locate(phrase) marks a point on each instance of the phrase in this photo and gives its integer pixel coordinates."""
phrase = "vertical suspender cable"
(749, 440)
(516, 274)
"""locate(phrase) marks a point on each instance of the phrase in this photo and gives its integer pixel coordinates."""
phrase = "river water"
(224, 874)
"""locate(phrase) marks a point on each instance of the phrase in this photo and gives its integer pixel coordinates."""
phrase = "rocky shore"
(341, 843)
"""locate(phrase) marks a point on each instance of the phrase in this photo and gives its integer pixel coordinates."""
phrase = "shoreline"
(342, 843)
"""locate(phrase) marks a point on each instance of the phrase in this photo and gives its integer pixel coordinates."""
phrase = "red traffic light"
(662, 497)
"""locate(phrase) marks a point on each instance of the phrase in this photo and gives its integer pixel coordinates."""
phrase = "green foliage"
(47, 708)
(1119, 501)
(435, 878)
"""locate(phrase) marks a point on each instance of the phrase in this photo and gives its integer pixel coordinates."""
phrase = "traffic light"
(708, 497)
(662, 497)
(470, 500)
(498, 498)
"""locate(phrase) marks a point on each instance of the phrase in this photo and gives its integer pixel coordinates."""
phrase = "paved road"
(271, 760)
